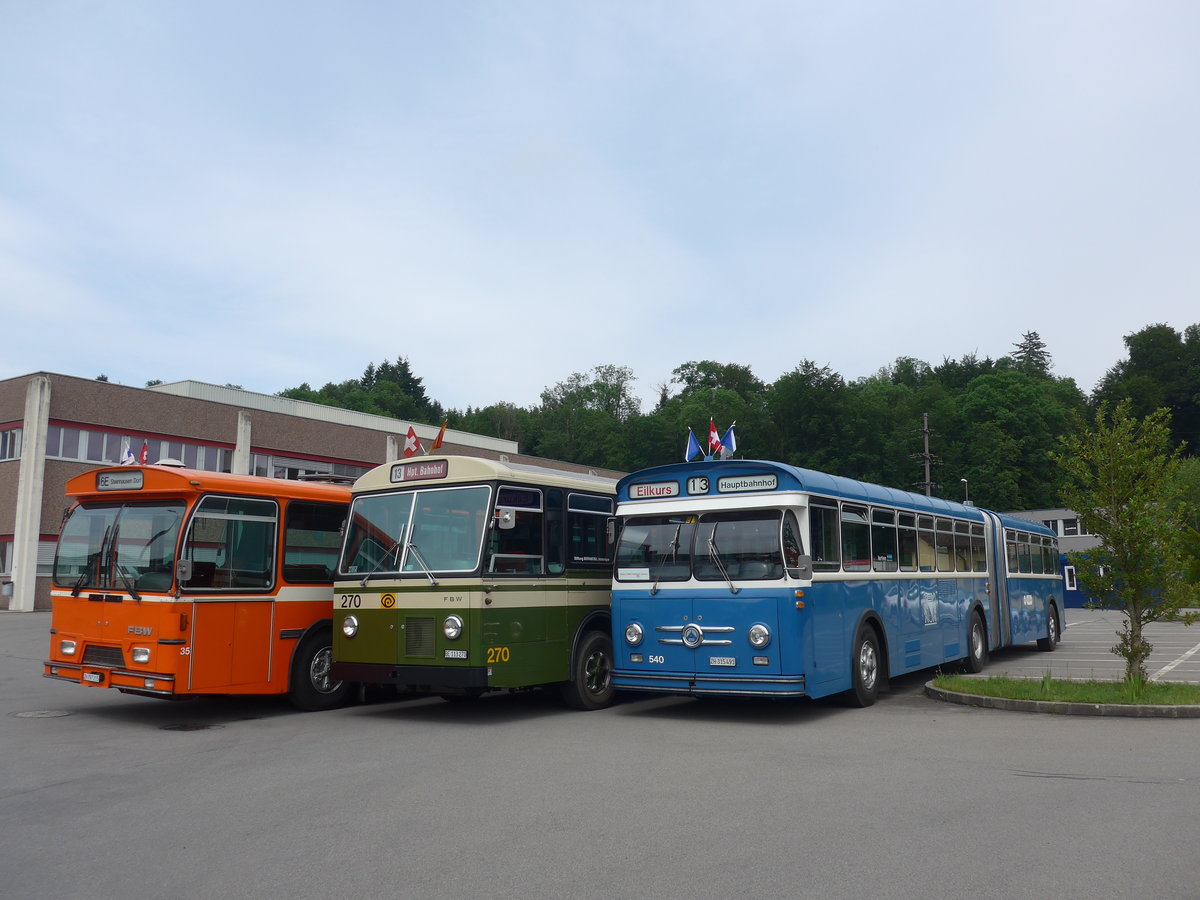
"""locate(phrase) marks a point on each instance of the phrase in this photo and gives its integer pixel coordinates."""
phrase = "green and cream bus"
(460, 576)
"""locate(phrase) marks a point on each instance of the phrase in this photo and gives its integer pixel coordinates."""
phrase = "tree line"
(996, 423)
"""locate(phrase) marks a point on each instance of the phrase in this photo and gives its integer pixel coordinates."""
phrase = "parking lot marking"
(1178, 661)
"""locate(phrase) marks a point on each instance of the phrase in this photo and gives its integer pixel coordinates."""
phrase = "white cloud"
(506, 195)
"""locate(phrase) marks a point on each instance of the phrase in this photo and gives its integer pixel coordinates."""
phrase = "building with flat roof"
(53, 427)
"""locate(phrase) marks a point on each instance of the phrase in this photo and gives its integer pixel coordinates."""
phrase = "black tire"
(312, 687)
(591, 684)
(1049, 642)
(865, 667)
(977, 651)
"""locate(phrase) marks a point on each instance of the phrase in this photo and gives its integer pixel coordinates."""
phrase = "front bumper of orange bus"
(154, 684)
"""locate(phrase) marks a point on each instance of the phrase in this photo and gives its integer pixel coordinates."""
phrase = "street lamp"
(966, 492)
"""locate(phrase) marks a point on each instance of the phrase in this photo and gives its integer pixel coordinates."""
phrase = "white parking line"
(1179, 661)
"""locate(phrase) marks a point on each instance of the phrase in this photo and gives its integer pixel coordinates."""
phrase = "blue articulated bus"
(744, 577)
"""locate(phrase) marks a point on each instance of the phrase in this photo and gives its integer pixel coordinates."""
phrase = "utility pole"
(928, 458)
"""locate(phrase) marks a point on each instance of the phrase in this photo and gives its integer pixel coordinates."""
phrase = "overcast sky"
(269, 193)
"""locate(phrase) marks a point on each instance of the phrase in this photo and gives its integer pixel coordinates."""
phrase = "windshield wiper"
(93, 562)
(412, 549)
(128, 583)
(673, 546)
(93, 559)
(379, 565)
(715, 555)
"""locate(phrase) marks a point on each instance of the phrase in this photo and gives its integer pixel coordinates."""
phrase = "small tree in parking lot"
(1123, 484)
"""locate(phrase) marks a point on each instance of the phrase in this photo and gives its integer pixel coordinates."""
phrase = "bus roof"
(793, 478)
(127, 481)
(458, 469)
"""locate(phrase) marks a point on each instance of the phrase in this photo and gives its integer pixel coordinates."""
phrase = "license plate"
(93, 677)
(456, 654)
(722, 661)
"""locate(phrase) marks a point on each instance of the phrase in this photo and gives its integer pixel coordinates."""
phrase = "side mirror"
(803, 569)
(183, 570)
(611, 529)
(506, 519)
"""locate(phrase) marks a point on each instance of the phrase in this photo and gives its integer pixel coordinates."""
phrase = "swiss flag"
(144, 456)
(412, 443)
(714, 441)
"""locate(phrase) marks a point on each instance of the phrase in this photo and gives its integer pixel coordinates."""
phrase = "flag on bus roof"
(128, 459)
(714, 442)
(412, 443)
(729, 443)
(144, 456)
(693, 447)
(437, 441)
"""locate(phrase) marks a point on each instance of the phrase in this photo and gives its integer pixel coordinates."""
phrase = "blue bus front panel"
(698, 641)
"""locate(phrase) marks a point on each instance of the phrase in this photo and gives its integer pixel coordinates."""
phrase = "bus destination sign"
(420, 471)
(125, 480)
(651, 490)
(740, 484)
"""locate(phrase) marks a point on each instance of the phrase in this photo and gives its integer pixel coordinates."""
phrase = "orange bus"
(171, 582)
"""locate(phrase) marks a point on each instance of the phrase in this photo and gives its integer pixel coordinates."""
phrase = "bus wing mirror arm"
(183, 570)
(803, 568)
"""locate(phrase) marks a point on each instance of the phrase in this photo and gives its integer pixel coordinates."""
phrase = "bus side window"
(823, 538)
(311, 541)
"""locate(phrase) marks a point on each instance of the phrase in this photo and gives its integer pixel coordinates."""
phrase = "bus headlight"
(350, 626)
(633, 634)
(452, 627)
(66, 648)
(141, 654)
(760, 636)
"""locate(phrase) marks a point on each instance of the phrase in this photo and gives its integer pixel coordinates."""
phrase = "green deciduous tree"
(1123, 481)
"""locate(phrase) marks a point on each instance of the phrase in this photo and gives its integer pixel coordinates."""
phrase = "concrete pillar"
(30, 484)
(393, 448)
(241, 450)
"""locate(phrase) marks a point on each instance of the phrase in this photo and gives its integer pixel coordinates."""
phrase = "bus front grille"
(96, 655)
(418, 638)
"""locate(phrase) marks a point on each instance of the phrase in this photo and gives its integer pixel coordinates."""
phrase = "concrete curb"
(1064, 709)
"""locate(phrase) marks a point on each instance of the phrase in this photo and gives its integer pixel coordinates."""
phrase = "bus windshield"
(118, 546)
(416, 531)
(743, 544)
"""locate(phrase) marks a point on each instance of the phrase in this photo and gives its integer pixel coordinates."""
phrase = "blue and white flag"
(729, 443)
(128, 458)
(693, 447)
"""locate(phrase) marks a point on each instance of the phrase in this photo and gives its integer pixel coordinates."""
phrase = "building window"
(5, 557)
(45, 557)
(10, 443)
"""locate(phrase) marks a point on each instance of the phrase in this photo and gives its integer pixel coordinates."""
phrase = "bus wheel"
(1051, 640)
(591, 684)
(976, 645)
(865, 667)
(313, 688)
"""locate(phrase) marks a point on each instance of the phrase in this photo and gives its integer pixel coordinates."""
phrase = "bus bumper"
(431, 678)
(152, 684)
(724, 685)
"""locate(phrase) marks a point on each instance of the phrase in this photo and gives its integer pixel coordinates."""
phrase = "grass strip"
(1155, 693)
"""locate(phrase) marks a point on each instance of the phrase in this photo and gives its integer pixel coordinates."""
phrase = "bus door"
(525, 606)
(231, 548)
(1001, 624)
